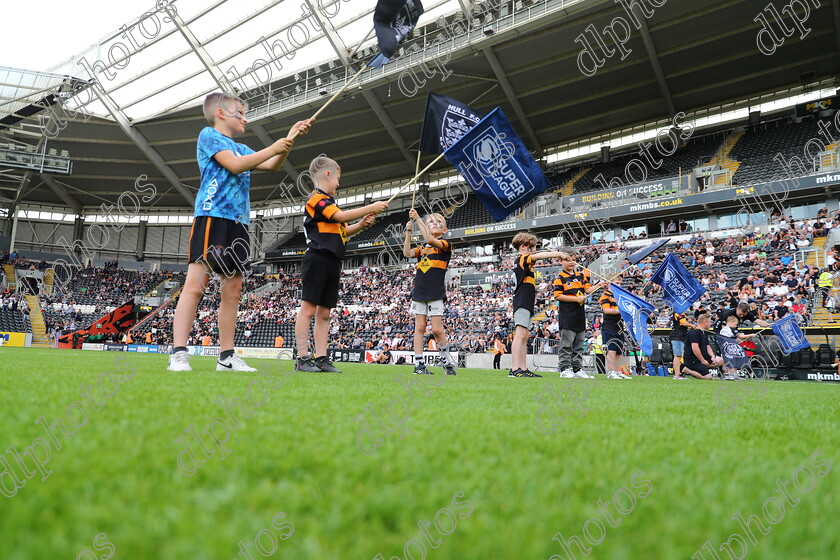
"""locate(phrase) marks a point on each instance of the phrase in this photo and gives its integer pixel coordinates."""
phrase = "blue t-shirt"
(222, 194)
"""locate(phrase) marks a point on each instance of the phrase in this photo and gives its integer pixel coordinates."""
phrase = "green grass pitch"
(471, 455)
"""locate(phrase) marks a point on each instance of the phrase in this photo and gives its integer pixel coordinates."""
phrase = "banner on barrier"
(143, 348)
(93, 346)
(13, 339)
(203, 350)
(263, 353)
(431, 358)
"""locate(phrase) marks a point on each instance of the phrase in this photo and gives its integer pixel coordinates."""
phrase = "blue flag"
(732, 353)
(392, 21)
(679, 288)
(790, 335)
(497, 166)
(446, 121)
(635, 312)
(637, 257)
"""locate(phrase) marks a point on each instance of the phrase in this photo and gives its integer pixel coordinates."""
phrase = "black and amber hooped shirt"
(430, 279)
(572, 315)
(526, 288)
(611, 322)
(323, 233)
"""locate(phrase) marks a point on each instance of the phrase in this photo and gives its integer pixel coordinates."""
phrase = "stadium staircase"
(10, 273)
(829, 158)
(49, 280)
(266, 289)
(36, 319)
(820, 313)
(722, 158)
(569, 187)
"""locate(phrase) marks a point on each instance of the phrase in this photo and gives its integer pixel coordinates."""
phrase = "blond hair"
(703, 317)
(320, 165)
(220, 100)
(524, 239)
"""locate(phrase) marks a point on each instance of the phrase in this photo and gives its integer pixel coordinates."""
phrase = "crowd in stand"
(762, 270)
(19, 261)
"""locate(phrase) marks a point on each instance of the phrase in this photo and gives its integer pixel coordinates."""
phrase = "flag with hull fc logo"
(496, 165)
(392, 21)
(446, 121)
(679, 288)
(635, 312)
(732, 353)
(790, 335)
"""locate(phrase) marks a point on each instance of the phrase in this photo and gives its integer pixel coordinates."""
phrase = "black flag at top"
(392, 21)
(445, 122)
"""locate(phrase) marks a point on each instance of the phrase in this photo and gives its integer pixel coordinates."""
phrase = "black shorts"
(223, 245)
(697, 366)
(321, 274)
(612, 341)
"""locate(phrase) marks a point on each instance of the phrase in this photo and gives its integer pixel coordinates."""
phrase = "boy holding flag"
(326, 235)
(429, 293)
(219, 238)
(611, 332)
(570, 289)
(524, 298)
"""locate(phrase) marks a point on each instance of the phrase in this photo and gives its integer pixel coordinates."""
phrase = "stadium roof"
(524, 57)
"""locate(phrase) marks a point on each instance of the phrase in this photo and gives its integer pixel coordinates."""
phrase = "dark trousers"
(571, 349)
(497, 361)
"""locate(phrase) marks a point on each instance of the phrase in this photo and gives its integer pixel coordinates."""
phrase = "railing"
(13, 156)
(818, 252)
(673, 187)
(713, 180)
(827, 161)
(472, 39)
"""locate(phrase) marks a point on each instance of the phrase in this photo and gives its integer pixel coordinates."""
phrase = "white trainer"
(233, 363)
(616, 375)
(567, 374)
(581, 375)
(179, 361)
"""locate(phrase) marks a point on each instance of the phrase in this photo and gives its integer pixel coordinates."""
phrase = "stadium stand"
(766, 270)
(749, 154)
(761, 144)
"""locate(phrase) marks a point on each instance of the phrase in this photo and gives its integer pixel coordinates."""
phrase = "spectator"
(699, 356)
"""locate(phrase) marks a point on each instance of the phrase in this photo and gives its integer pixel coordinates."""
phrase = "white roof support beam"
(344, 56)
(199, 51)
(140, 141)
(220, 79)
